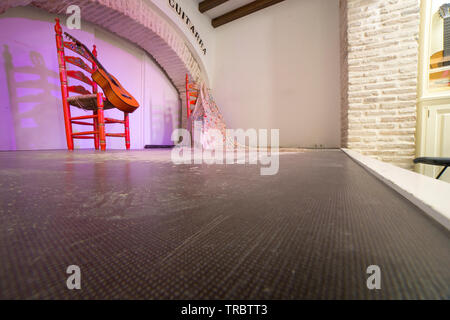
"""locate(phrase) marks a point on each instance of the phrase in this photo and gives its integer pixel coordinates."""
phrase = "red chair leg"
(68, 124)
(64, 89)
(96, 135)
(127, 130)
(101, 122)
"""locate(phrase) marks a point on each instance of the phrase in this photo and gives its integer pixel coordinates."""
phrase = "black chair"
(445, 162)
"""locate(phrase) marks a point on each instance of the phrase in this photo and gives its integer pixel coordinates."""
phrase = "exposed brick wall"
(380, 61)
(344, 71)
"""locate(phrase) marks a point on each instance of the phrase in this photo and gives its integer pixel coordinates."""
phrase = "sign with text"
(177, 8)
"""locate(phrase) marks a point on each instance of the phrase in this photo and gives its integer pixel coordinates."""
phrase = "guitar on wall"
(441, 59)
(113, 90)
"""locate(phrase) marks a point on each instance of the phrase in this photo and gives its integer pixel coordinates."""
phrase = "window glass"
(439, 63)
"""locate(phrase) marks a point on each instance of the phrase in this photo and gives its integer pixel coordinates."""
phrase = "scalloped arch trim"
(136, 21)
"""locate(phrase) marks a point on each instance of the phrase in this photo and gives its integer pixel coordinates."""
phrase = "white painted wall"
(31, 116)
(279, 68)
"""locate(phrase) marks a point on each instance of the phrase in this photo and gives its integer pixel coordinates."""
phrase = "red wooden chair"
(84, 99)
(191, 95)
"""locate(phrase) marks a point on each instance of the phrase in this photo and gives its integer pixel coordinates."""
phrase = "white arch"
(136, 21)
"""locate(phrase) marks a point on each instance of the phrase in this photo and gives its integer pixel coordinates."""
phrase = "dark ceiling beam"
(209, 4)
(243, 11)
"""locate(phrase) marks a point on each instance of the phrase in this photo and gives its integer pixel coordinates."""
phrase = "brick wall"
(379, 57)
(344, 71)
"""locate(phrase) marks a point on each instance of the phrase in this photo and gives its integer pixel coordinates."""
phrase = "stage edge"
(430, 195)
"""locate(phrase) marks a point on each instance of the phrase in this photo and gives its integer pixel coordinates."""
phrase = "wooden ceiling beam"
(209, 4)
(243, 11)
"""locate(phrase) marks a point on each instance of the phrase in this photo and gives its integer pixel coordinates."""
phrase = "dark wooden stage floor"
(140, 227)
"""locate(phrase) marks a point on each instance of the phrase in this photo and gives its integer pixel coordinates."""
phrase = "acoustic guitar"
(113, 90)
(442, 58)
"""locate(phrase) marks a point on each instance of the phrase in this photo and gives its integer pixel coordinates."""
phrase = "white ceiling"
(225, 7)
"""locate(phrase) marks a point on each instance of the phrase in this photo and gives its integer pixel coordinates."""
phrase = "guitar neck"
(79, 43)
(446, 37)
(94, 58)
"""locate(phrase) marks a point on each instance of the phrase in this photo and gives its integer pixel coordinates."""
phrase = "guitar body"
(114, 92)
(437, 60)
(441, 78)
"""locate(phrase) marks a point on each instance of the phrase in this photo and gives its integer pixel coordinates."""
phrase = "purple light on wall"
(28, 123)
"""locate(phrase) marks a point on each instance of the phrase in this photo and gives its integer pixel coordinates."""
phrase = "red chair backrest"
(82, 61)
(191, 95)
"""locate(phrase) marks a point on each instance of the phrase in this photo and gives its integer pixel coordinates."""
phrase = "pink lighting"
(31, 116)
